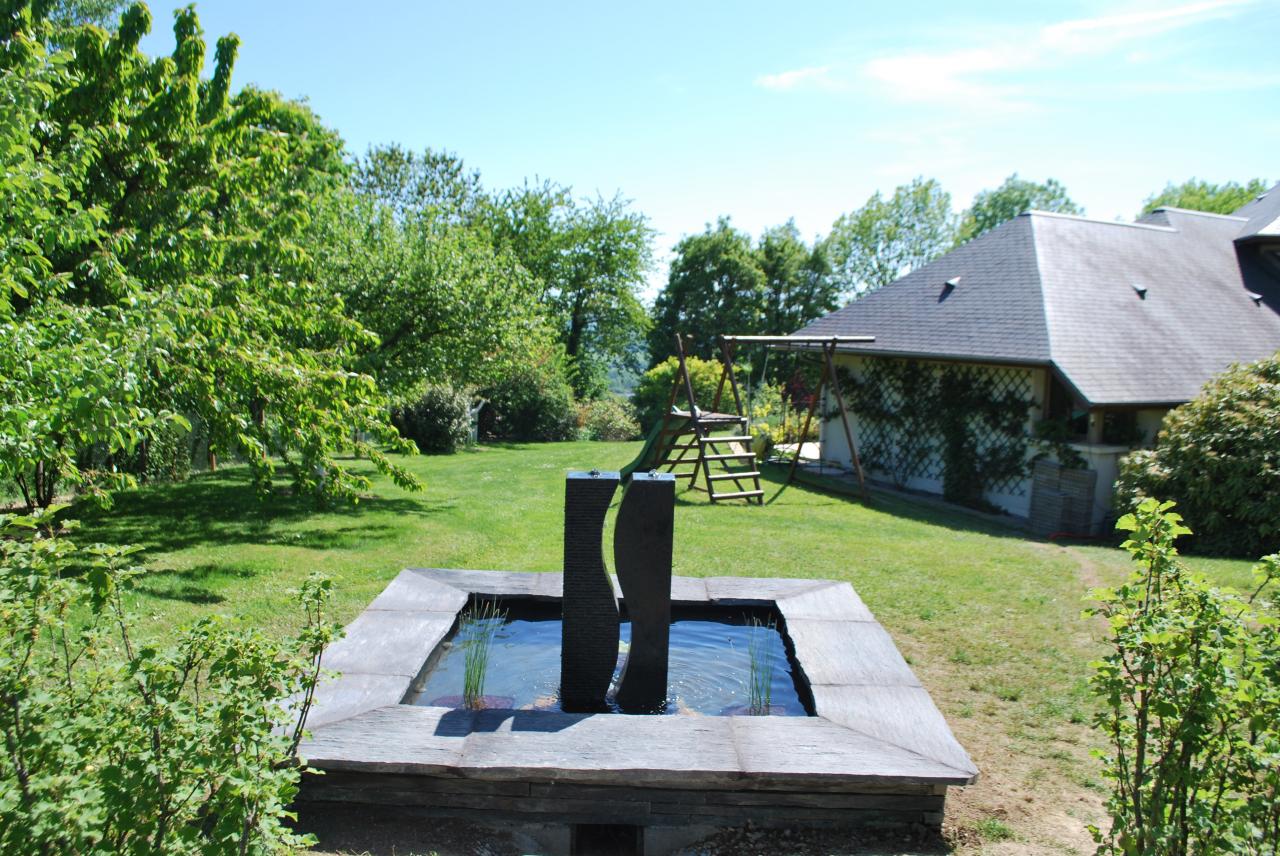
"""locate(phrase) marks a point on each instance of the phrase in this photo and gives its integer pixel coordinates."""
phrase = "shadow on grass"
(773, 479)
(223, 508)
(190, 585)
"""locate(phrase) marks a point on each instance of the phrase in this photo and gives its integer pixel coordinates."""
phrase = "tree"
(590, 258)
(1014, 197)
(715, 286)
(1200, 195)
(150, 265)
(409, 253)
(887, 238)
(798, 282)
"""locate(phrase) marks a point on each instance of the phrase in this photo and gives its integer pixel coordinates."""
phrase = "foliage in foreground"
(1218, 457)
(1191, 704)
(112, 745)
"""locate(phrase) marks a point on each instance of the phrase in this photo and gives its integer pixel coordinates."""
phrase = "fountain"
(560, 759)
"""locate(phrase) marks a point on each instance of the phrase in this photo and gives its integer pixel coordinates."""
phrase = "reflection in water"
(710, 668)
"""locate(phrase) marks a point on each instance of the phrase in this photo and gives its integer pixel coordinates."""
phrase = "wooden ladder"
(696, 437)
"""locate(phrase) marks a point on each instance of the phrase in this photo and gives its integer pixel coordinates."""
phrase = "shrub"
(610, 419)
(117, 745)
(1218, 457)
(653, 392)
(1190, 699)
(533, 402)
(437, 418)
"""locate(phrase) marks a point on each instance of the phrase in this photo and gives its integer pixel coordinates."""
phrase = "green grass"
(994, 829)
(989, 619)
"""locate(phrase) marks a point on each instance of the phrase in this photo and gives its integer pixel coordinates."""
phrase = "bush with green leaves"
(652, 395)
(609, 419)
(1218, 457)
(1190, 703)
(437, 418)
(533, 402)
(115, 744)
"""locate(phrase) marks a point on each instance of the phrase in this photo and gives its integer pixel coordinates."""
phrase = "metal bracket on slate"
(589, 635)
(642, 541)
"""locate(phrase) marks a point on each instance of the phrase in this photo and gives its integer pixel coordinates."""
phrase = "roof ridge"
(1037, 213)
(1199, 213)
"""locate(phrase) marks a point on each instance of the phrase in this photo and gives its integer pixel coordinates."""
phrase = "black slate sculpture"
(642, 557)
(589, 636)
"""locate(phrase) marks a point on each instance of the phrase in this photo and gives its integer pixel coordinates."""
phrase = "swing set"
(696, 437)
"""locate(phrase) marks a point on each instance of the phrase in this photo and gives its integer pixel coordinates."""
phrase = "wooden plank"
(732, 456)
(848, 653)
(413, 591)
(388, 642)
(351, 694)
(741, 474)
(688, 590)
(829, 602)
(806, 751)
(758, 589)
(738, 494)
(509, 583)
(902, 716)
(601, 748)
(392, 739)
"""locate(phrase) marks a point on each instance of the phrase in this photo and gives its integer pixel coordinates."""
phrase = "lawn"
(989, 619)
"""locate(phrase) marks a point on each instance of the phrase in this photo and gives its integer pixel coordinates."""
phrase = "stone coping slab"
(874, 724)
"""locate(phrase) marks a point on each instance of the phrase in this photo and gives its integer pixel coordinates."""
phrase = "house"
(1097, 327)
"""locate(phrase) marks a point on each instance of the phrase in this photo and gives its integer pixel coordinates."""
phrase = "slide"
(648, 457)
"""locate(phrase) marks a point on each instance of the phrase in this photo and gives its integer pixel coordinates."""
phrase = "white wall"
(836, 449)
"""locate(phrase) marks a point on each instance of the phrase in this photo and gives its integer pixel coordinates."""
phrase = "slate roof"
(1053, 289)
(1263, 215)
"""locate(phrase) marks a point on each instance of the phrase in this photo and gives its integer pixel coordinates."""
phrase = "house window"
(1120, 428)
(1064, 408)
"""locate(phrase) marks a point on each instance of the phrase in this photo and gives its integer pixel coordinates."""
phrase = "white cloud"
(1089, 35)
(983, 77)
(817, 77)
(964, 75)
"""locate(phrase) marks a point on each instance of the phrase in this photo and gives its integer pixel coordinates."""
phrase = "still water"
(709, 671)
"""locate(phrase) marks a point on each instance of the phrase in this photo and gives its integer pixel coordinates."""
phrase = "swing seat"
(707, 417)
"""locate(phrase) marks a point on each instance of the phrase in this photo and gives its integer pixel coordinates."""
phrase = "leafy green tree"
(1198, 195)
(715, 286)
(590, 258)
(435, 185)
(1014, 197)
(887, 238)
(409, 254)
(798, 282)
(150, 264)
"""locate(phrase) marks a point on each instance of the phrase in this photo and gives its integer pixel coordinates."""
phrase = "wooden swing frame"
(828, 346)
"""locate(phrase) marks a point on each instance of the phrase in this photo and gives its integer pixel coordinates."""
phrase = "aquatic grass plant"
(476, 630)
(760, 680)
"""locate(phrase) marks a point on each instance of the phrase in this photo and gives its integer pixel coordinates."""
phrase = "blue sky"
(766, 112)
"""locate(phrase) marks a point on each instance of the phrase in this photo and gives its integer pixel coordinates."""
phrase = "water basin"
(710, 667)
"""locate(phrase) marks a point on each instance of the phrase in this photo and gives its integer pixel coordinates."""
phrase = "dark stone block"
(589, 639)
(642, 540)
